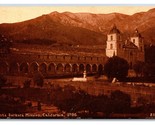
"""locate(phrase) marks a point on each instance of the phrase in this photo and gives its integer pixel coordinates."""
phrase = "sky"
(12, 14)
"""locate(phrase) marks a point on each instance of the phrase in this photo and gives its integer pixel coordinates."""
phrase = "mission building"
(131, 49)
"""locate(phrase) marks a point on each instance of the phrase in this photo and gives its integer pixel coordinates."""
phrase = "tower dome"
(114, 30)
(136, 33)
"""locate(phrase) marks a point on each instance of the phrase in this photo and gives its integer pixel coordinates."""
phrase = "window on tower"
(134, 41)
(111, 37)
(111, 46)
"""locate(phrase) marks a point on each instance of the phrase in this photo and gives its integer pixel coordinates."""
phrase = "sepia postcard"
(77, 62)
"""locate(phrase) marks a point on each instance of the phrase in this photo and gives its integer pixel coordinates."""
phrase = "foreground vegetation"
(71, 100)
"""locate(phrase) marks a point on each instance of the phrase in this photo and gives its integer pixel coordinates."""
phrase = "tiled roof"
(129, 44)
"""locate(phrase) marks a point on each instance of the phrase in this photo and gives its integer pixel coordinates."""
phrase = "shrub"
(27, 83)
(116, 67)
(38, 79)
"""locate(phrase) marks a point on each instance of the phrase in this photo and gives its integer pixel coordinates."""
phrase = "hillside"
(45, 28)
(59, 29)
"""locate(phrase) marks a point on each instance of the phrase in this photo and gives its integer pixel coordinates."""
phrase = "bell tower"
(138, 41)
(113, 46)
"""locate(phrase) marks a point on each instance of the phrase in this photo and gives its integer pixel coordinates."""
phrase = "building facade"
(131, 49)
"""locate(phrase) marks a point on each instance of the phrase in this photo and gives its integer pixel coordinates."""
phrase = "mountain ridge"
(80, 28)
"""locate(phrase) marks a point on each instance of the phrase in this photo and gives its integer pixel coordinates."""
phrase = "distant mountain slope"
(79, 28)
(45, 28)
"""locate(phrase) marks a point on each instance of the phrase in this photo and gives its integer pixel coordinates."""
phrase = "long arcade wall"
(24, 64)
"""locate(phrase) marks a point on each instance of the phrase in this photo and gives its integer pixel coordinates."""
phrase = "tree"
(149, 53)
(138, 68)
(38, 79)
(116, 67)
(5, 44)
(149, 70)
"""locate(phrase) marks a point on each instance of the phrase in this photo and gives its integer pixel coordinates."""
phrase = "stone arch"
(68, 68)
(4, 67)
(81, 68)
(75, 68)
(24, 67)
(94, 68)
(131, 65)
(100, 69)
(52, 68)
(88, 68)
(60, 68)
(43, 68)
(34, 67)
(14, 68)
